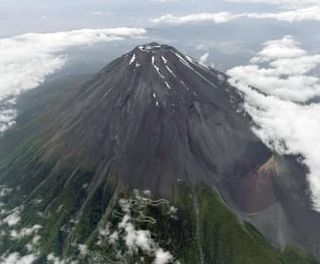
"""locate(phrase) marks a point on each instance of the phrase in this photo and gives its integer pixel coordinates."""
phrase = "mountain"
(152, 160)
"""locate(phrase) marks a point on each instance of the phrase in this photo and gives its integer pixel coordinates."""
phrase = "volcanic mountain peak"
(153, 47)
(156, 120)
(168, 73)
(157, 54)
(162, 110)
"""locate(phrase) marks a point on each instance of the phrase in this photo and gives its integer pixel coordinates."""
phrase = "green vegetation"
(295, 256)
(195, 227)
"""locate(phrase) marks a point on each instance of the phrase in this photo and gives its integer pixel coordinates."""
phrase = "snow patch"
(165, 61)
(158, 71)
(167, 84)
(193, 70)
(149, 47)
(185, 86)
(181, 59)
(189, 59)
(171, 71)
(132, 59)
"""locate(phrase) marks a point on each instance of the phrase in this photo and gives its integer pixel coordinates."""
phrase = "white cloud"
(165, 1)
(286, 73)
(136, 240)
(100, 13)
(311, 13)
(13, 218)
(286, 47)
(15, 258)
(96, 13)
(4, 190)
(26, 60)
(114, 237)
(26, 231)
(221, 17)
(284, 125)
(283, 3)
(51, 258)
(83, 249)
(163, 257)
(296, 15)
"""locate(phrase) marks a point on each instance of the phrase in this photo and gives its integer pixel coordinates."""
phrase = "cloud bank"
(283, 124)
(221, 17)
(165, 1)
(26, 60)
(296, 15)
(282, 3)
(282, 69)
(311, 13)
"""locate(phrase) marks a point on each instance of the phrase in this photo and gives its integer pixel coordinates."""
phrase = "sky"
(272, 45)
(21, 16)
